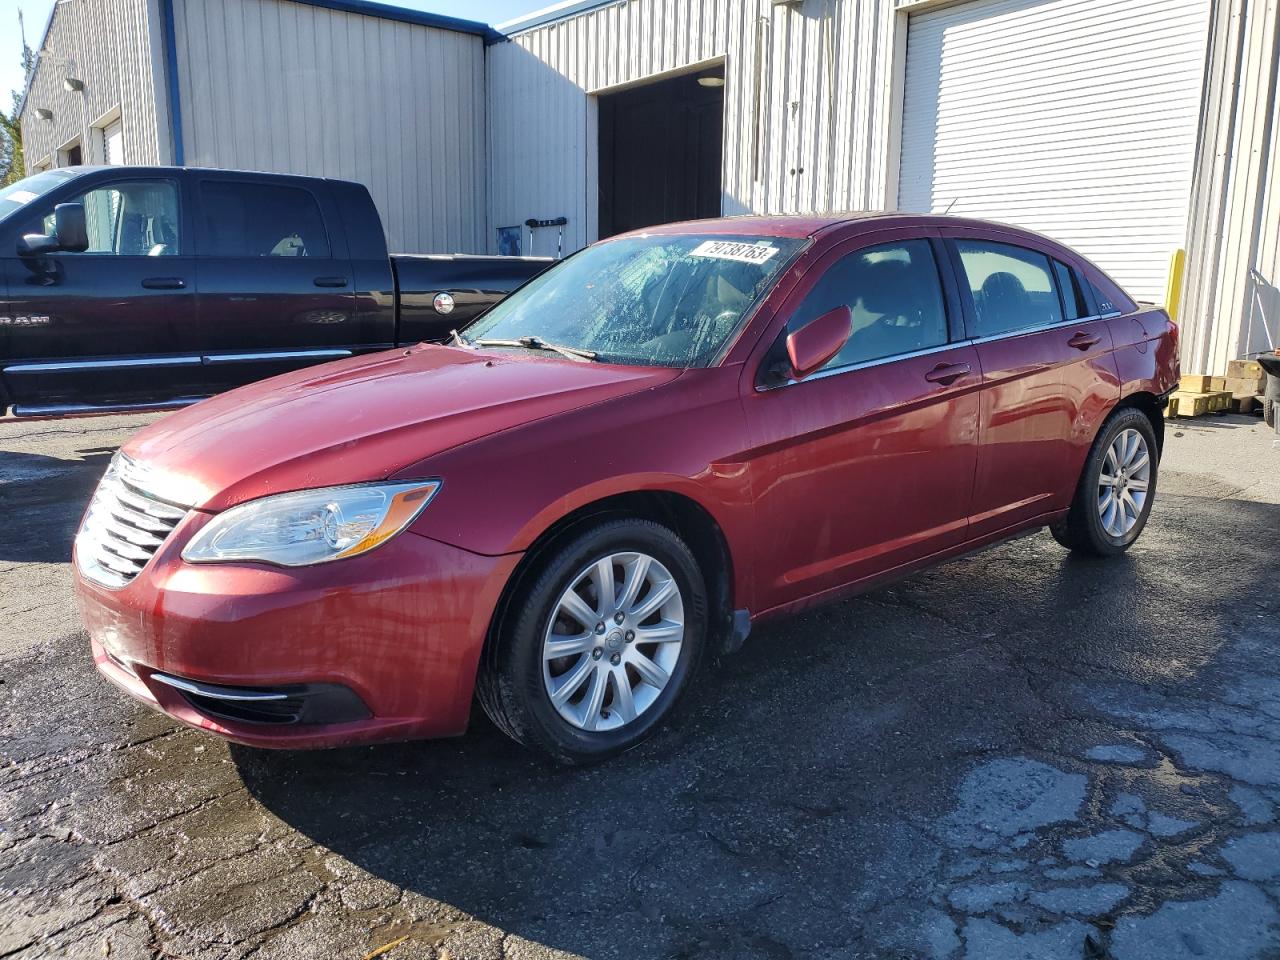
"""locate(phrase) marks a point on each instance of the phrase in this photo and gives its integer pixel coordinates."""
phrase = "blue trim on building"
(389, 12)
(550, 15)
(171, 71)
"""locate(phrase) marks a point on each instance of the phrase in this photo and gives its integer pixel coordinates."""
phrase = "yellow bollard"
(1173, 293)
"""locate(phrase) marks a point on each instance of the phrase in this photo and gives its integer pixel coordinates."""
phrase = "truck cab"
(139, 287)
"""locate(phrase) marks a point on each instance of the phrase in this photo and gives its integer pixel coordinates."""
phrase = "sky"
(36, 13)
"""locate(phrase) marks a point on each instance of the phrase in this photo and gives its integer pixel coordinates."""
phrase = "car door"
(1048, 375)
(276, 285)
(867, 464)
(113, 325)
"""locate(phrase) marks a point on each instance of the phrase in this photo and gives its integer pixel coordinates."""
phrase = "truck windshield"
(17, 195)
(663, 300)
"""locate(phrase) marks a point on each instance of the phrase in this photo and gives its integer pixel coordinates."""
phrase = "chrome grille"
(124, 526)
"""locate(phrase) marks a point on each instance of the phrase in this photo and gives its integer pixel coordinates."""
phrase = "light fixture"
(44, 113)
(711, 81)
(72, 85)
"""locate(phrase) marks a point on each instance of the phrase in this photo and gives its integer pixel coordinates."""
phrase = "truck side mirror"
(70, 233)
(814, 344)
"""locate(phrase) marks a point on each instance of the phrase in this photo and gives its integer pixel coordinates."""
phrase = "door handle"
(164, 283)
(947, 373)
(1083, 341)
(331, 281)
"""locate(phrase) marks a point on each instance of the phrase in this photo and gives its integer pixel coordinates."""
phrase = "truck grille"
(123, 527)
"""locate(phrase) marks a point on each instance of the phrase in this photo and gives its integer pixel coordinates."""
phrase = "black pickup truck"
(136, 287)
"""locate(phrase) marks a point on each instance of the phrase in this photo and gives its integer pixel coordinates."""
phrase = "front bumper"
(379, 647)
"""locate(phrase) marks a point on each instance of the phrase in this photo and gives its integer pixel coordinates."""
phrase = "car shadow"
(801, 789)
(49, 494)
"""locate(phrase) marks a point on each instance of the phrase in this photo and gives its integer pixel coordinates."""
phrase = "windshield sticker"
(731, 250)
(21, 196)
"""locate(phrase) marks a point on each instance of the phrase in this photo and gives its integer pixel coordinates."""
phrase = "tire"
(1091, 527)
(589, 722)
(1270, 399)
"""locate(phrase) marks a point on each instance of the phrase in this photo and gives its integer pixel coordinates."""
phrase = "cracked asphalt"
(1015, 755)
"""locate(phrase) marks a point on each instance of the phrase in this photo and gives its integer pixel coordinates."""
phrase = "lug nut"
(596, 653)
(600, 627)
(630, 635)
(615, 659)
(617, 617)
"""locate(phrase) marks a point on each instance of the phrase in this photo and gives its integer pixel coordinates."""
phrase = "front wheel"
(600, 645)
(1116, 489)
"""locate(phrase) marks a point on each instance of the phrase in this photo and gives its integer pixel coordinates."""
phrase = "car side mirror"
(70, 233)
(814, 344)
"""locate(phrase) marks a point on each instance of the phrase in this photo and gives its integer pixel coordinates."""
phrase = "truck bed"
(475, 283)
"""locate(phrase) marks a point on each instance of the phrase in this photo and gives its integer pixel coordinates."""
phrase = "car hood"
(362, 419)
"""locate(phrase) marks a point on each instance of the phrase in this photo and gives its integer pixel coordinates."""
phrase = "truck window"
(133, 218)
(260, 220)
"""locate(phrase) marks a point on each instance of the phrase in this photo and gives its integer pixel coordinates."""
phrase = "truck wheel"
(600, 645)
(1116, 488)
(1270, 399)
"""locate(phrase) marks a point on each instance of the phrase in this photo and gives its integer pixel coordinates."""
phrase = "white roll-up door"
(1076, 118)
(113, 142)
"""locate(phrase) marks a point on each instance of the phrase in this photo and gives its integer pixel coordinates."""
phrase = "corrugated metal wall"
(1232, 297)
(1077, 118)
(277, 86)
(114, 48)
(805, 130)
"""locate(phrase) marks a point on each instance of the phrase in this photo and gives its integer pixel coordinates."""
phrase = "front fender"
(688, 437)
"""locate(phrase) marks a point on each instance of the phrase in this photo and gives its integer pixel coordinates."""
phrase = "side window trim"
(965, 296)
(946, 287)
(207, 247)
(77, 195)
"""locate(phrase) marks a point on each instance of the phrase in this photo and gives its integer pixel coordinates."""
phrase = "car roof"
(811, 225)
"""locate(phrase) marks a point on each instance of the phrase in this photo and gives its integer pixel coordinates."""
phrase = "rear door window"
(1013, 288)
(260, 220)
(894, 294)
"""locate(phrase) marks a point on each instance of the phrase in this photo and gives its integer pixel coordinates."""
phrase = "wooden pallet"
(1187, 403)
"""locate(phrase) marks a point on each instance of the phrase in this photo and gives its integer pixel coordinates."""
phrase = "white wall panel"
(114, 47)
(1077, 118)
(1232, 293)
(821, 114)
(286, 87)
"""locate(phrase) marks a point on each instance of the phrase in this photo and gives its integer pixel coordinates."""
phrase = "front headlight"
(311, 526)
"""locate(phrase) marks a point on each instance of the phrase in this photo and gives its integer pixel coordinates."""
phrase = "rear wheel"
(1270, 398)
(601, 644)
(1116, 489)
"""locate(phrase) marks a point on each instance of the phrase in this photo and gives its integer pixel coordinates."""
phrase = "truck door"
(276, 284)
(113, 325)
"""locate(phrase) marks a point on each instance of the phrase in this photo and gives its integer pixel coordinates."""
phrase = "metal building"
(390, 97)
(1126, 128)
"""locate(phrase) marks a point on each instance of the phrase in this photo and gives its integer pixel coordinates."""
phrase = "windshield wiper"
(458, 340)
(537, 343)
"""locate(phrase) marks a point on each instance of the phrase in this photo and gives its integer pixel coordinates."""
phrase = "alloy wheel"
(1124, 482)
(613, 641)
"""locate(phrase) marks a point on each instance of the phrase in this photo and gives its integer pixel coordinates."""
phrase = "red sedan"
(669, 436)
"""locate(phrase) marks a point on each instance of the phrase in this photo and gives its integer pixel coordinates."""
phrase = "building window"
(72, 155)
(107, 139)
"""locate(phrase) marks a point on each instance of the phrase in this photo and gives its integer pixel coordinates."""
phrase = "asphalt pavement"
(1018, 754)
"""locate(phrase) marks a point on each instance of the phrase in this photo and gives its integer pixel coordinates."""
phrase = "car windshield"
(663, 300)
(17, 195)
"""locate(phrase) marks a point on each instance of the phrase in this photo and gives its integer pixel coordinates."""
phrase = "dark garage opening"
(660, 152)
